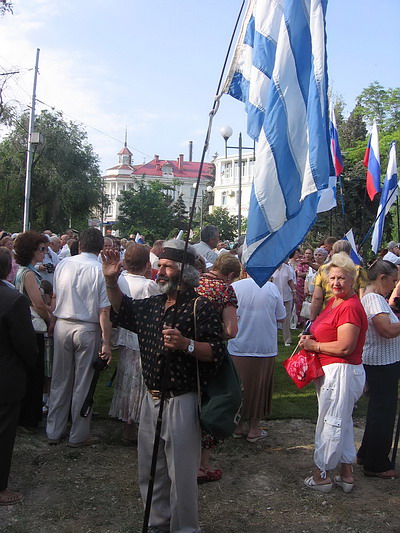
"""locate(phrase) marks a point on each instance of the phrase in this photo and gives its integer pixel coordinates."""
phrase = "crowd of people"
(68, 301)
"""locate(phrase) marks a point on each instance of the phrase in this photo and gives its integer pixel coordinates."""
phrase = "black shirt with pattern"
(147, 318)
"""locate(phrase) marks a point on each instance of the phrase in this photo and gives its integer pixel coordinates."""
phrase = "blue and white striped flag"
(388, 197)
(139, 239)
(356, 257)
(279, 71)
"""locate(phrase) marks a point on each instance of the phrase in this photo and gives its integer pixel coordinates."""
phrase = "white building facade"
(226, 187)
(179, 174)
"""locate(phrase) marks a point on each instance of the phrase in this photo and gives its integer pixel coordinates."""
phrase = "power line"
(71, 117)
(93, 128)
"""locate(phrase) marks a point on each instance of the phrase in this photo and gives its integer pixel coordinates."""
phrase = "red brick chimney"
(180, 161)
(157, 161)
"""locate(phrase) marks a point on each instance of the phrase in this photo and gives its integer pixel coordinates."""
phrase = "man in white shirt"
(285, 279)
(393, 254)
(82, 312)
(64, 248)
(155, 252)
(55, 244)
(209, 240)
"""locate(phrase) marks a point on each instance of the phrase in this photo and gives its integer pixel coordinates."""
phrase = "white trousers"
(76, 347)
(175, 497)
(337, 392)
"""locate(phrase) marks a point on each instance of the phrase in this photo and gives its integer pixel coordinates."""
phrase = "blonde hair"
(343, 261)
(227, 264)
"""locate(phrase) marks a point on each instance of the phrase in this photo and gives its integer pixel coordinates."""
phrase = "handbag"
(221, 401)
(305, 308)
(38, 323)
(303, 367)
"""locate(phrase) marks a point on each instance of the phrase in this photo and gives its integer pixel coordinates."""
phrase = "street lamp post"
(226, 132)
(208, 189)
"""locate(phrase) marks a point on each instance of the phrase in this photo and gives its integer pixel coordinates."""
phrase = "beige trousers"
(175, 498)
(286, 333)
(76, 347)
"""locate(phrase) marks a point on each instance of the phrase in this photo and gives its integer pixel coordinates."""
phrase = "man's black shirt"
(147, 318)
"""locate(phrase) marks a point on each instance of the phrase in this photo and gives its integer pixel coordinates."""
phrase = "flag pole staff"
(29, 154)
(377, 218)
(168, 353)
(341, 192)
(363, 212)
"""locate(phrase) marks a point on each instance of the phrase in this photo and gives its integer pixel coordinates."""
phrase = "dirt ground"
(95, 490)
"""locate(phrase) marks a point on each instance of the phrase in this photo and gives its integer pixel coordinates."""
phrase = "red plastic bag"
(303, 367)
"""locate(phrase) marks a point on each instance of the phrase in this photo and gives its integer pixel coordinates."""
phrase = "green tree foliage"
(352, 129)
(381, 104)
(66, 183)
(226, 223)
(360, 212)
(180, 213)
(147, 209)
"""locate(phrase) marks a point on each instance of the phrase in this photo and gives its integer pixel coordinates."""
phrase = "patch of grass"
(287, 400)
(104, 393)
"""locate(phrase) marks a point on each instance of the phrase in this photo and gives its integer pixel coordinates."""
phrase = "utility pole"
(29, 157)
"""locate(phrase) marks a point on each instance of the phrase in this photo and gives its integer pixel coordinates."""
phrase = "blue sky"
(154, 66)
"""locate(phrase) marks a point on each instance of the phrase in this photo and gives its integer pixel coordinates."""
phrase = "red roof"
(124, 167)
(190, 169)
(125, 151)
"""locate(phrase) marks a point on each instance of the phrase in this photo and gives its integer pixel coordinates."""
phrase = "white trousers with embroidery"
(337, 392)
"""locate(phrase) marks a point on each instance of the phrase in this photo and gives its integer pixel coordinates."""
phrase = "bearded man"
(174, 504)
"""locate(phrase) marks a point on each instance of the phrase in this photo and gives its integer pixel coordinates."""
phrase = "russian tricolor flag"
(371, 161)
(335, 148)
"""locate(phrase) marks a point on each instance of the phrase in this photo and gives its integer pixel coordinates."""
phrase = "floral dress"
(221, 295)
(301, 268)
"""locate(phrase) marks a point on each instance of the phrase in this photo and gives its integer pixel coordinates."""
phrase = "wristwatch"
(190, 348)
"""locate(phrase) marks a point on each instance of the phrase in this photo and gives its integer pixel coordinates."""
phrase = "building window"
(224, 198)
(251, 171)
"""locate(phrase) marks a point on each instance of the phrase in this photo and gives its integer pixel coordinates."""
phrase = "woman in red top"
(338, 336)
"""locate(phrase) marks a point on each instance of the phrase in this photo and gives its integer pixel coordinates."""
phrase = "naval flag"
(279, 71)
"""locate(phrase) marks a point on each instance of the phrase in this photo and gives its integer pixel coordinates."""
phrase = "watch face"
(191, 347)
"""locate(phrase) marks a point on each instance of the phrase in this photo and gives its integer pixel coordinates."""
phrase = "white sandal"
(310, 483)
(347, 487)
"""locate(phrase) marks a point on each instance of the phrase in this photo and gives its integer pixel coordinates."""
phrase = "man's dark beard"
(170, 286)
